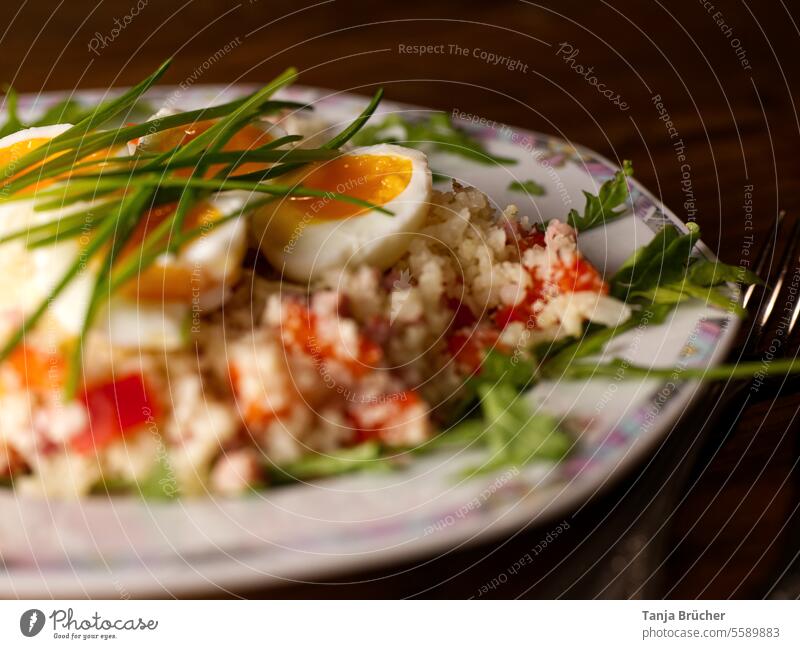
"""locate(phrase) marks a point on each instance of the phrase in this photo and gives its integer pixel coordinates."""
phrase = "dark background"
(740, 127)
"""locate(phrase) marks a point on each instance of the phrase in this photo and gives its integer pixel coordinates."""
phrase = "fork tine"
(794, 317)
(785, 263)
(763, 255)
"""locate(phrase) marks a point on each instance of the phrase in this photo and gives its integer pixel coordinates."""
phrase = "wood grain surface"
(724, 73)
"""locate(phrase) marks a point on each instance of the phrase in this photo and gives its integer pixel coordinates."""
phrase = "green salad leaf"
(365, 456)
(705, 272)
(596, 337)
(436, 132)
(507, 425)
(497, 367)
(511, 429)
(602, 208)
(160, 483)
(518, 432)
(662, 261)
(667, 272)
(66, 111)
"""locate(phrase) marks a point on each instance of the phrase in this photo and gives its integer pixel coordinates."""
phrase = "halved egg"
(200, 272)
(152, 311)
(305, 236)
(24, 274)
(250, 136)
(15, 145)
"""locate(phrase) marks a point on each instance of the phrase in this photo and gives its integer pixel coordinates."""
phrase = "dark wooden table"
(724, 72)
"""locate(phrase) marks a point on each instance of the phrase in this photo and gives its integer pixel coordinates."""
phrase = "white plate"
(113, 547)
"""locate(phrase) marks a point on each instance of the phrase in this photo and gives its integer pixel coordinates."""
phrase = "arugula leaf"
(619, 367)
(497, 367)
(664, 272)
(663, 261)
(597, 337)
(512, 431)
(109, 486)
(682, 291)
(530, 187)
(434, 132)
(712, 273)
(465, 432)
(365, 456)
(602, 208)
(519, 433)
(66, 111)
(642, 261)
(160, 483)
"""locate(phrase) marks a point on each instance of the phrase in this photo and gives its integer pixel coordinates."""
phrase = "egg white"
(305, 250)
(35, 132)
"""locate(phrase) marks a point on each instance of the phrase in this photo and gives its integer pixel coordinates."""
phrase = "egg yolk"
(10, 154)
(246, 138)
(374, 178)
(170, 282)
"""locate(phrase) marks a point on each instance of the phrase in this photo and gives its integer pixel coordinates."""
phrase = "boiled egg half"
(153, 309)
(306, 236)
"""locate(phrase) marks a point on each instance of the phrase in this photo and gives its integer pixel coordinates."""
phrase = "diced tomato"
(256, 412)
(369, 353)
(508, 314)
(523, 238)
(298, 327)
(526, 240)
(522, 312)
(37, 369)
(115, 409)
(580, 275)
(370, 420)
(299, 330)
(469, 346)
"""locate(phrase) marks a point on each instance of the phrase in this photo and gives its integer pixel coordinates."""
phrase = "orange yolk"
(173, 282)
(14, 152)
(249, 137)
(374, 178)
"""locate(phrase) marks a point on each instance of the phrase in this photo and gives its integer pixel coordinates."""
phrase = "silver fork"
(768, 320)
